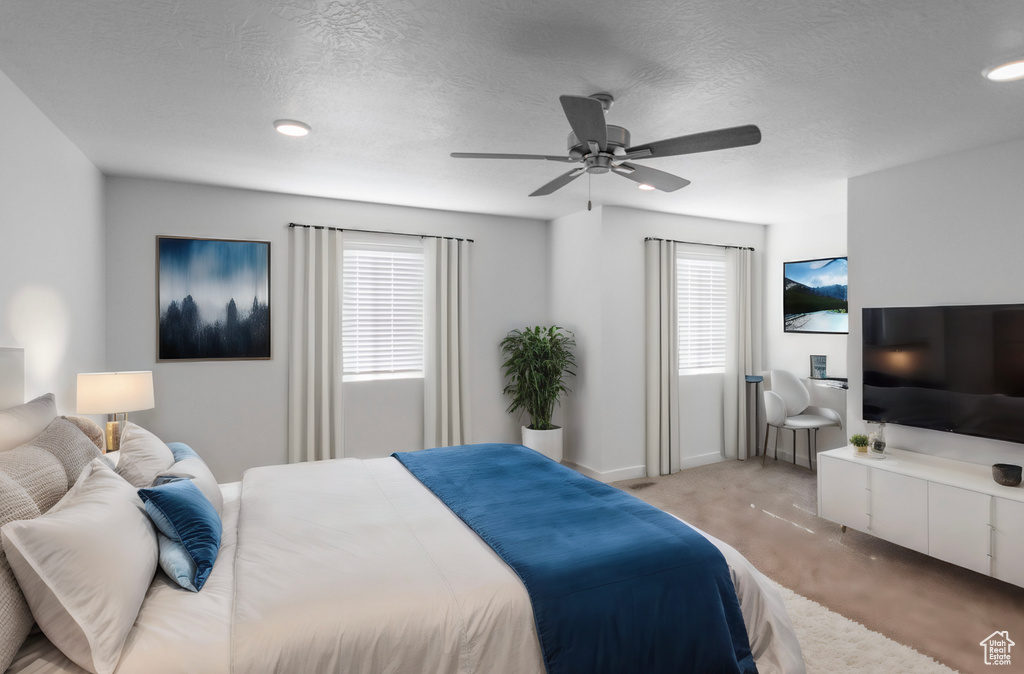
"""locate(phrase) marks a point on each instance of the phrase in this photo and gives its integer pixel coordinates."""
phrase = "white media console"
(948, 509)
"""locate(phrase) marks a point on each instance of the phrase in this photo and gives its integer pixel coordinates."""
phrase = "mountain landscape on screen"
(814, 296)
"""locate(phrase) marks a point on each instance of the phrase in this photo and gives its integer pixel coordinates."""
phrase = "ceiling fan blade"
(586, 117)
(645, 175)
(736, 136)
(487, 155)
(559, 182)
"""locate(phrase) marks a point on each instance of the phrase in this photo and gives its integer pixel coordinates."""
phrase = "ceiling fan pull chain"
(589, 183)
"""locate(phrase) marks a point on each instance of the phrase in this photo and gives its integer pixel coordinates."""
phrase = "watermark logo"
(997, 647)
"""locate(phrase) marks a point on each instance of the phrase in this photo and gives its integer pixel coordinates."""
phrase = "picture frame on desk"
(818, 367)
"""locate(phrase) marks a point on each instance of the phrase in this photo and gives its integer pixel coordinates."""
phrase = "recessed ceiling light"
(1008, 72)
(291, 127)
(645, 186)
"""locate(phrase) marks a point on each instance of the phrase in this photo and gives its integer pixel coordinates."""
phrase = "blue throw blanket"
(617, 585)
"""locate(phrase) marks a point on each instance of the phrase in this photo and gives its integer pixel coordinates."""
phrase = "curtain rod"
(377, 231)
(698, 243)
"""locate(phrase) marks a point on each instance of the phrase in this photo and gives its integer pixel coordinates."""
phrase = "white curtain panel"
(661, 358)
(315, 366)
(742, 356)
(446, 399)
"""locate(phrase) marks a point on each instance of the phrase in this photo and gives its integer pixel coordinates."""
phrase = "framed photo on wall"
(213, 299)
(814, 296)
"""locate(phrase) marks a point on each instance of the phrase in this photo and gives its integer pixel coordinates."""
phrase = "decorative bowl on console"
(1006, 474)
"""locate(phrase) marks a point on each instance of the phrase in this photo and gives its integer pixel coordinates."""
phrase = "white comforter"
(354, 566)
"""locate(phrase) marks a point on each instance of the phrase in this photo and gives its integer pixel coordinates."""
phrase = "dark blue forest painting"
(213, 299)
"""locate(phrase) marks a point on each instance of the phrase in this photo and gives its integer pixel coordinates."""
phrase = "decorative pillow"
(38, 472)
(15, 615)
(92, 430)
(20, 424)
(177, 564)
(143, 456)
(195, 469)
(189, 521)
(15, 502)
(69, 445)
(32, 480)
(85, 566)
(181, 451)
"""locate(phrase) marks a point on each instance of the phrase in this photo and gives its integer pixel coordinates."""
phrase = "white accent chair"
(786, 406)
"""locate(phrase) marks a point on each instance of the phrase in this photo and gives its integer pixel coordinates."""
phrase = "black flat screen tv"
(958, 369)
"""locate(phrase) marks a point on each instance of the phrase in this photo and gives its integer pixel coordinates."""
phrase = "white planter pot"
(548, 443)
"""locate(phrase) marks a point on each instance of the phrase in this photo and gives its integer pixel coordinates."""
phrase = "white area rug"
(832, 643)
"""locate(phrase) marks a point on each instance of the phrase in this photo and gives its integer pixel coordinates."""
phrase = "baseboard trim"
(610, 476)
(700, 460)
(634, 472)
(787, 456)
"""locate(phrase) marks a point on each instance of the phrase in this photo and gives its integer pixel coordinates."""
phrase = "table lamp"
(114, 393)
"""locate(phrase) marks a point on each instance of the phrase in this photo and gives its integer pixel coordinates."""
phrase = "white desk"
(825, 394)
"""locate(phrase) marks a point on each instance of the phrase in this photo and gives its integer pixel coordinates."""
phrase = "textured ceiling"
(188, 89)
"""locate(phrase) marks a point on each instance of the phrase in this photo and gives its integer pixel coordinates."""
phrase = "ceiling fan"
(603, 148)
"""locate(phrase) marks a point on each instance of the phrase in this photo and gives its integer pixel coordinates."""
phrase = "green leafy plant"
(859, 440)
(537, 362)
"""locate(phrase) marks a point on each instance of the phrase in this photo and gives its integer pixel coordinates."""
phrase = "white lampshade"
(115, 392)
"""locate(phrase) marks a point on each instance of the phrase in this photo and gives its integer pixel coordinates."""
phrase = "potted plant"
(538, 361)
(860, 442)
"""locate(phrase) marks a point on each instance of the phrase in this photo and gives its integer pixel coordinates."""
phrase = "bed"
(356, 566)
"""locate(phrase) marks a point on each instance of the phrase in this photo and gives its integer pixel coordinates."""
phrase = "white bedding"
(354, 566)
(176, 631)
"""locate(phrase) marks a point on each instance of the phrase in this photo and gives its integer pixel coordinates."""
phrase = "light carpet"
(769, 515)
(831, 643)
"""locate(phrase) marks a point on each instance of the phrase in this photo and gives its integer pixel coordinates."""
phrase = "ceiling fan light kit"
(605, 148)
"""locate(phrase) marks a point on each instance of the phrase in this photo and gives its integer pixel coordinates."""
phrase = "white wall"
(948, 230)
(597, 288)
(574, 300)
(234, 413)
(818, 236)
(701, 415)
(821, 234)
(384, 416)
(51, 250)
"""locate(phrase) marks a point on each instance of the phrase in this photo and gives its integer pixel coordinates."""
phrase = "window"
(700, 287)
(382, 312)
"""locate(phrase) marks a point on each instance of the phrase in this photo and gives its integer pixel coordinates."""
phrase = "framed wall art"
(819, 367)
(213, 299)
(814, 296)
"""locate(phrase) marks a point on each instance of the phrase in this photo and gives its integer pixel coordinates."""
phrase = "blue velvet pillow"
(187, 518)
(176, 563)
(181, 451)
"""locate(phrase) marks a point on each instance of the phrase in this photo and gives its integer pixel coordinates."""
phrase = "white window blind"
(702, 298)
(382, 312)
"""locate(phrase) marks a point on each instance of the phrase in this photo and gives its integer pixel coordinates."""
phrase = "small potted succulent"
(860, 442)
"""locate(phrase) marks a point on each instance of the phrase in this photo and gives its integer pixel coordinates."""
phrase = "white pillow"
(196, 470)
(143, 456)
(20, 424)
(85, 566)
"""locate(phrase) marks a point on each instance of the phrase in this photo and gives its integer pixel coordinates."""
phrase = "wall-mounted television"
(957, 368)
(814, 296)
